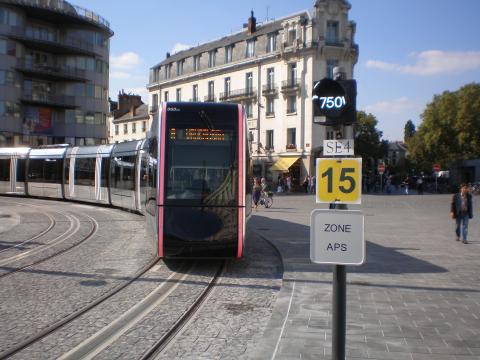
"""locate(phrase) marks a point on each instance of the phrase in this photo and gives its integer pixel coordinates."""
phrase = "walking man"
(461, 210)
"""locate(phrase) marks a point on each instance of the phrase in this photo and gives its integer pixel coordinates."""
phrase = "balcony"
(48, 72)
(291, 85)
(58, 101)
(210, 98)
(238, 95)
(67, 45)
(269, 90)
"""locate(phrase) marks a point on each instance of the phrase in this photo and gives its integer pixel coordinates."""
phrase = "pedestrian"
(257, 190)
(312, 184)
(461, 210)
(279, 183)
(406, 184)
(420, 185)
(388, 184)
(305, 184)
(289, 183)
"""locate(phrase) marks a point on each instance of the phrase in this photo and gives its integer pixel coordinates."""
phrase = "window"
(9, 108)
(211, 90)
(291, 135)
(250, 51)
(125, 128)
(249, 109)
(180, 67)
(292, 36)
(144, 126)
(179, 95)
(154, 101)
(165, 96)
(116, 129)
(292, 73)
(227, 86)
(249, 82)
(89, 118)
(270, 106)
(330, 65)
(269, 140)
(99, 118)
(271, 42)
(168, 71)
(8, 78)
(196, 63)
(211, 58)
(8, 17)
(79, 117)
(270, 78)
(228, 54)
(134, 128)
(195, 92)
(332, 32)
(291, 104)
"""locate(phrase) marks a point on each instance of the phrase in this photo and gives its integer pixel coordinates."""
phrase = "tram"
(189, 177)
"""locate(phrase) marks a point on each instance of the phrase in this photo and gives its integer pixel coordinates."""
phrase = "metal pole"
(339, 312)
(436, 186)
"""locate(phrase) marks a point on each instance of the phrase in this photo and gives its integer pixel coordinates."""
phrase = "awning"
(283, 164)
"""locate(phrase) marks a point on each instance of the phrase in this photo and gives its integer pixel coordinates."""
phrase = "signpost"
(381, 171)
(337, 147)
(436, 170)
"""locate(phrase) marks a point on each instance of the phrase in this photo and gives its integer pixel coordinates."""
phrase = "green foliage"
(408, 131)
(450, 129)
(368, 143)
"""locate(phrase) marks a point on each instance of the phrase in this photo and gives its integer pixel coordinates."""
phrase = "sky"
(410, 50)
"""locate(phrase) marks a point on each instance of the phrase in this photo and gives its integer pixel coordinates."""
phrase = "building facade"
(130, 120)
(270, 68)
(54, 67)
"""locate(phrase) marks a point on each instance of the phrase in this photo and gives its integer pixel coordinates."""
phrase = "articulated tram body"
(189, 178)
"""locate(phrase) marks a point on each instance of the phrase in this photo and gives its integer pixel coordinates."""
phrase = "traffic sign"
(381, 168)
(337, 237)
(339, 180)
(337, 147)
(436, 167)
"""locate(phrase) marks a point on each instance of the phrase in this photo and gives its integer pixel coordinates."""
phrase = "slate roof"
(141, 112)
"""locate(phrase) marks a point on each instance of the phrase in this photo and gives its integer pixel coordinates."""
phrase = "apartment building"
(54, 67)
(129, 120)
(270, 69)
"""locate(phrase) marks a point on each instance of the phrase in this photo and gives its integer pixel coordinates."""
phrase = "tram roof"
(18, 151)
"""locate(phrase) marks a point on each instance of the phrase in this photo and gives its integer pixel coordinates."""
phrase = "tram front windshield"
(201, 166)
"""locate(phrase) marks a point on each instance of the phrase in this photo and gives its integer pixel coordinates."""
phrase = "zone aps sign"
(339, 180)
(337, 237)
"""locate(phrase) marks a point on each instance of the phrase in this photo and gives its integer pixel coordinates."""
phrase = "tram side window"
(21, 169)
(45, 170)
(4, 169)
(104, 173)
(124, 172)
(85, 171)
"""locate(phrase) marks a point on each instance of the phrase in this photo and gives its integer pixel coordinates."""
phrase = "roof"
(262, 29)
(141, 112)
(397, 146)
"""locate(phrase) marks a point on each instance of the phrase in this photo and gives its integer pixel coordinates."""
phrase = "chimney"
(168, 55)
(132, 110)
(252, 23)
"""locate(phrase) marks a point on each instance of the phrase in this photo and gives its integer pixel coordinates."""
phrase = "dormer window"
(228, 54)
(292, 35)
(332, 32)
(211, 58)
(168, 71)
(180, 67)
(271, 42)
(196, 62)
(250, 51)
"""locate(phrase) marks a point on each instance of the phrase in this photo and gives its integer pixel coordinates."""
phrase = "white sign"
(337, 147)
(337, 237)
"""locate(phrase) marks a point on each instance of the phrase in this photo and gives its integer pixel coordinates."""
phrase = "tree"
(450, 129)
(408, 131)
(368, 143)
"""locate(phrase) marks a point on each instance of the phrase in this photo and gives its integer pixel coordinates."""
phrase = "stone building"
(54, 66)
(129, 120)
(270, 68)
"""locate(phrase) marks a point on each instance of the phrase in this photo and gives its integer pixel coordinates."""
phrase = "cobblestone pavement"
(43, 294)
(416, 297)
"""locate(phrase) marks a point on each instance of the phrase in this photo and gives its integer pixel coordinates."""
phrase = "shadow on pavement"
(293, 241)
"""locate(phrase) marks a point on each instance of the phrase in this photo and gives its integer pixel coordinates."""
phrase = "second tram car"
(191, 178)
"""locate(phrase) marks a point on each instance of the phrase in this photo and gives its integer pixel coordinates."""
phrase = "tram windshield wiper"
(206, 120)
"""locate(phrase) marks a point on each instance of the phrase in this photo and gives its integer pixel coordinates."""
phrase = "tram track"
(75, 225)
(78, 313)
(52, 224)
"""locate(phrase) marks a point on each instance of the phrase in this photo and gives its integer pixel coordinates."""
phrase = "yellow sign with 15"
(339, 180)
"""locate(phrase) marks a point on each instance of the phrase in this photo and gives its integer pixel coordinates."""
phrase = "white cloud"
(180, 47)
(433, 62)
(390, 106)
(120, 75)
(126, 60)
